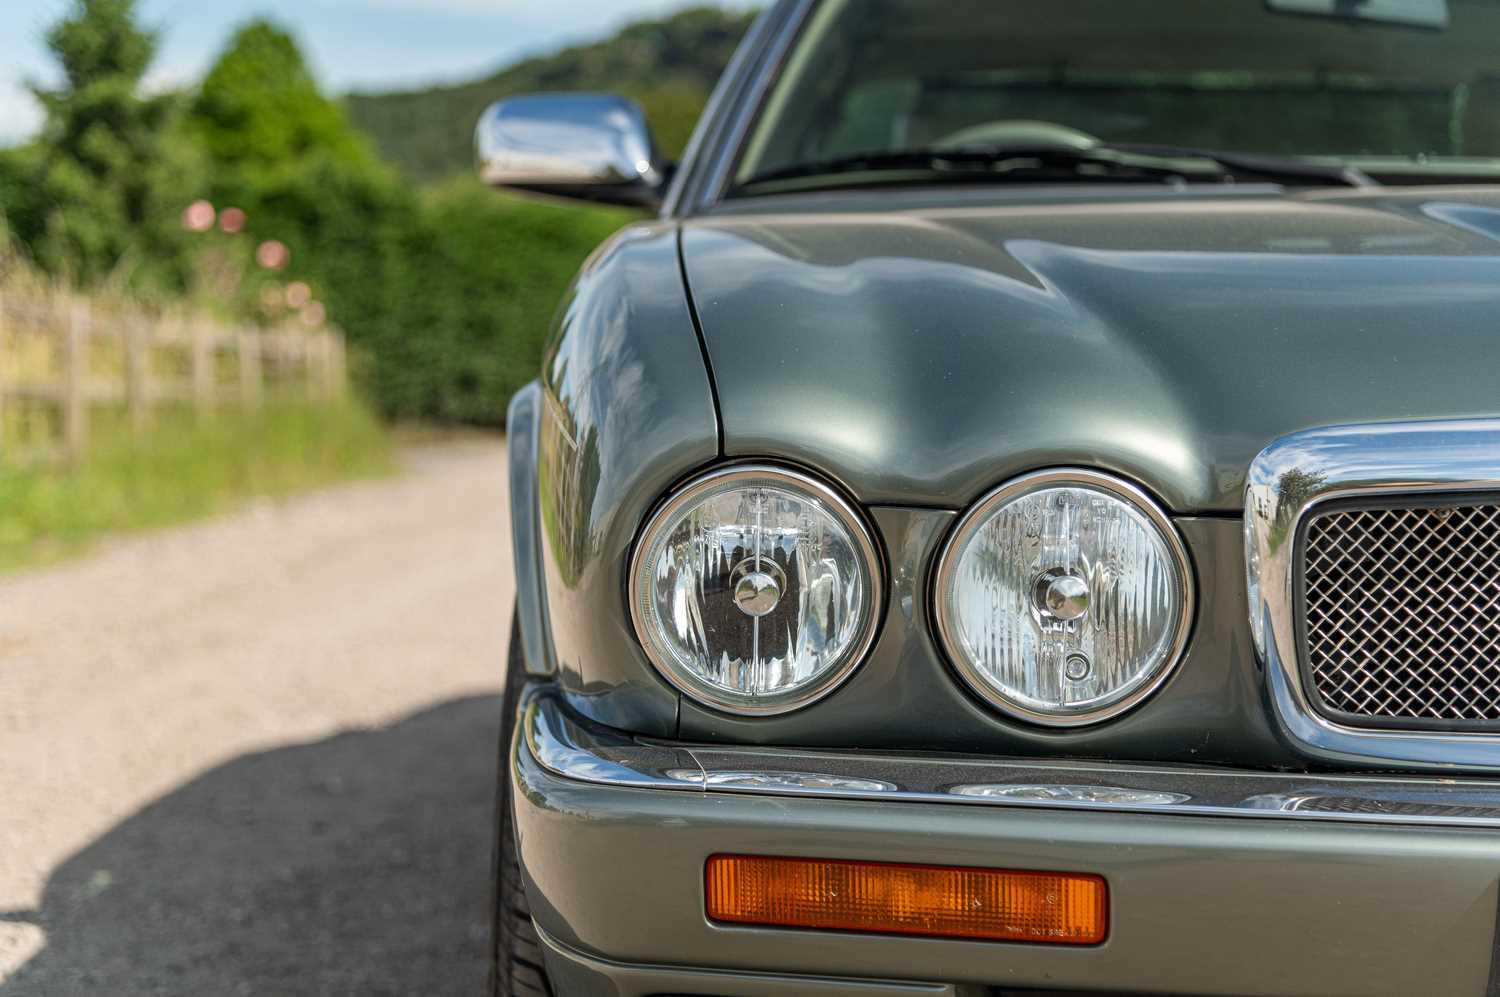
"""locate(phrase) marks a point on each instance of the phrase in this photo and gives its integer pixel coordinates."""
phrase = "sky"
(352, 44)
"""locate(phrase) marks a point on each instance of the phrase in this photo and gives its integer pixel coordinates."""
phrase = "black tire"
(516, 965)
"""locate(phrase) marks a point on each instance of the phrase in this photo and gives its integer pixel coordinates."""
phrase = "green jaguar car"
(1018, 513)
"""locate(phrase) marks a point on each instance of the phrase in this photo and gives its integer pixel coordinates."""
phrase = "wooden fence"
(63, 358)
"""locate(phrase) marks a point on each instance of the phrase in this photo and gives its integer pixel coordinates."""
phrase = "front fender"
(624, 410)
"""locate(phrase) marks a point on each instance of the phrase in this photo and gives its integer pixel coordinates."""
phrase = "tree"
(260, 109)
(112, 173)
(288, 156)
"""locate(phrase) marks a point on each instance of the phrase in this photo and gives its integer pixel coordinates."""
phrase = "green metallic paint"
(626, 411)
(573, 972)
(1198, 905)
(922, 347)
(928, 346)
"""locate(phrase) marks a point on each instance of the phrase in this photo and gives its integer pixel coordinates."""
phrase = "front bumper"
(1220, 882)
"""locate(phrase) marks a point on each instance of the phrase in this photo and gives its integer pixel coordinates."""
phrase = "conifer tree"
(111, 175)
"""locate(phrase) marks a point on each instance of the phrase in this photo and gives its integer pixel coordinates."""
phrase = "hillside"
(668, 65)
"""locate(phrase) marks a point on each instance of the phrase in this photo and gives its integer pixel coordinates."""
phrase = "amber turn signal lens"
(887, 898)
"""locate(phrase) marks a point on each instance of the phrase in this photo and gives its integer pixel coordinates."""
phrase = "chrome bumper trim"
(574, 749)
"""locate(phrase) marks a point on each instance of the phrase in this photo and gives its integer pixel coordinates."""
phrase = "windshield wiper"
(978, 163)
(1100, 162)
(1252, 164)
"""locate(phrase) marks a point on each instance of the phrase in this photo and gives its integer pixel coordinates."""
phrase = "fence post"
(203, 369)
(247, 350)
(315, 360)
(325, 366)
(307, 349)
(315, 366)
(75, 378)
(137, 373)
(339, 362)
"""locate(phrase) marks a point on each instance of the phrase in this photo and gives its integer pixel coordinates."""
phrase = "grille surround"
(1290, 480)
(1397, 611)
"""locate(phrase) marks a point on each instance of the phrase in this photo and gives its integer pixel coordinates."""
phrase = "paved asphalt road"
(257, 755)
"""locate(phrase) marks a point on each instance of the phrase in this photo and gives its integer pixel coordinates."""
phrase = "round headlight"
(755, 590)
(1064, 597)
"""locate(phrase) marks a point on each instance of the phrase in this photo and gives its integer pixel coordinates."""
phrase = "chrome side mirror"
(591, 146)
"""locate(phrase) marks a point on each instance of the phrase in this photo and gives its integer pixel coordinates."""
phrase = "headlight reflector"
(1064, 597)
(755, 589)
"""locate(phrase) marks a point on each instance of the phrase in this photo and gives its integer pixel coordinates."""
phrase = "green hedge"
(472, 307)
(446, 295)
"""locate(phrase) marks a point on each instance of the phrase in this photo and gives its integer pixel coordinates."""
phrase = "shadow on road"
(355, 865)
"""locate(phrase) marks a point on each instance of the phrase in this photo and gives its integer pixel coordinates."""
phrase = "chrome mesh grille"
(1402, 612)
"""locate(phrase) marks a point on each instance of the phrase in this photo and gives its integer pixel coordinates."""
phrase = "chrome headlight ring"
(755, 589)
(1031, 589)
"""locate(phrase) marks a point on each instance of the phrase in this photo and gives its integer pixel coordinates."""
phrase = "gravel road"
(257, 755)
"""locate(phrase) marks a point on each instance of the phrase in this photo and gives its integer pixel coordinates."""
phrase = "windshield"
(1402, 90)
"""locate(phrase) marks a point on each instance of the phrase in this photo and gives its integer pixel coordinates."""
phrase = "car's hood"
(923, 348)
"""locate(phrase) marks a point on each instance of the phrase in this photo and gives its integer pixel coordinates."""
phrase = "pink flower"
(273, 254)
(232, 220)
(198, 216)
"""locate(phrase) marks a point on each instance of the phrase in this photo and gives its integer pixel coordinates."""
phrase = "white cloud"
(174, 77)
(20, 114)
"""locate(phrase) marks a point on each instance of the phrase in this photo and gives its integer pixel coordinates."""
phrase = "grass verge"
(184, 469)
